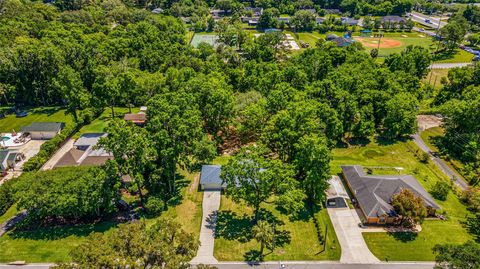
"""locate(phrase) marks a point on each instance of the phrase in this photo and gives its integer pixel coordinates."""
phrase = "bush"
(471, 197)
(7, 198)
(154, 205)
(440, 190)
(424, 157)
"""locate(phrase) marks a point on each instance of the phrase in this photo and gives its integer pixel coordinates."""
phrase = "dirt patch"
(385, 43)
(428, 121)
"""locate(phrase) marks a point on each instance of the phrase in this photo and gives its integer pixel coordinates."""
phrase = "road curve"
(440, 163)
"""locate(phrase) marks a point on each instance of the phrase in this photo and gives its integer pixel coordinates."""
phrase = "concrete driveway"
(58, 155)
(210, 206)
(354, 249)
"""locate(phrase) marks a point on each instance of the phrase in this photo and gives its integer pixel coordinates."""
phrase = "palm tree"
(263, 233)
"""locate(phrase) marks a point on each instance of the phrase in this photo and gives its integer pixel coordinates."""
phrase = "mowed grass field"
(408, 246)
(45, 114)
(234, 240)
(98, 125)
(54, 244)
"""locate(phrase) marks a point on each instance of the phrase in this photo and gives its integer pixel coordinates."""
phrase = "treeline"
(460, 100)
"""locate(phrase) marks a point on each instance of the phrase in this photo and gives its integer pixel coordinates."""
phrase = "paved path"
(354, 249)
(58, 155)
(440, 163)
(210, 206)
(448, 65)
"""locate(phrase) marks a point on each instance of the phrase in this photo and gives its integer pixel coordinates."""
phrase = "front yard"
(299, 238)
(408, 246)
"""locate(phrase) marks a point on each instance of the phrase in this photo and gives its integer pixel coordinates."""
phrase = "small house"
(43, 130)
(85, 152)
(256, 11)
(137, 118)
(393, 19)
(210, 178)
(319, 20)
(349, 21)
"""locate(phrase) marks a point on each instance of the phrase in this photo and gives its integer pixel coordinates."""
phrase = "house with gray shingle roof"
(374, 193)
(43, 130)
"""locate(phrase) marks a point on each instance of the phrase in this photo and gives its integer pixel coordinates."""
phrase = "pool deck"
(10, 142)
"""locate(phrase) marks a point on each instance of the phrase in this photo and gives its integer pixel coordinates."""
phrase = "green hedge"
(7, 198)
(49, 148)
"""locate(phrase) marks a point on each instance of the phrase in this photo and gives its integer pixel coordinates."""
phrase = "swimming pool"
(5, 138)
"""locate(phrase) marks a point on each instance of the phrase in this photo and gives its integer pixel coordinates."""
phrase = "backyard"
(407, 246)
(98, 125)
(44, 114)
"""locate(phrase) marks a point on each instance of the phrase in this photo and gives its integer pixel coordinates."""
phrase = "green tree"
(132, 150)
(303, 20)
(440, 190)
(268, 19)
(465, 256)
(71, 87)
(264, 234)
(161, 245)
(254, 178)
(312, 163)
(401, 118)
(410, 207)
(454, 33)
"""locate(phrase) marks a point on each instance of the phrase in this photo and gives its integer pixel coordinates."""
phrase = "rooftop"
(211, 174)
(374, 192)
(43, 127)
(89, 139)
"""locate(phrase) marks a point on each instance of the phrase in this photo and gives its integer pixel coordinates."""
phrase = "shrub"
(424, 157)
(7, 198)
(154, 205)
(471, 197)
(440, 190)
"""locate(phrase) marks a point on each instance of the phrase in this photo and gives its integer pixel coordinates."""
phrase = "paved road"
(448, 65)
(277, 265)
(210, 206)
(420, 18)
(440, 163)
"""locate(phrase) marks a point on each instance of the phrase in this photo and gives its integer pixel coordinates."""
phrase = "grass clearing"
(98, 125)
(12, 211)
(408, 246)
(457, 56)
(234, 241)
(43, 114)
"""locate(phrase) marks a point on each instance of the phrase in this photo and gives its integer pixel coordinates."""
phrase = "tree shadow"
(59, 232)
(181, 182)
(44, 110)
(230, 226)
(358, 141)
(385, 141)
(404, 237)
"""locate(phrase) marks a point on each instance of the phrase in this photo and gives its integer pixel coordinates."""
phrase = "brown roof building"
(85, 152)
(138, 118)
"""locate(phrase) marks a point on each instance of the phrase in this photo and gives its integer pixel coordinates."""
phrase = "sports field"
(395, 42)
(206, 38)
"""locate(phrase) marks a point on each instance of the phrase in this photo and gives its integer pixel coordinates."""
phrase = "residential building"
(373, 193)
(137, 118)
(210, 178)
(85, 152)
(8, 159)
(43, 130)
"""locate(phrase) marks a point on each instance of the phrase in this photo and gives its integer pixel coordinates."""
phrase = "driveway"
(354, 249)
(58, 155)
(210, 206)
(448, 65)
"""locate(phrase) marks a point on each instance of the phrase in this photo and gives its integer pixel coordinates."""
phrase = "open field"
(457, 56)
(408, 246)
(11, 122)
(54, 244)
(234, 240)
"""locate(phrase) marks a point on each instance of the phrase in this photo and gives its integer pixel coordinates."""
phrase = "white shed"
(43, 130)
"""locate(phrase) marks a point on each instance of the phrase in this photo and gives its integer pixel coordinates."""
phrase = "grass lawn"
(48, 244)
(403, 246)
(12, 211)
(98, 125)
(234, 240)
(458, 56)
(435, 77)
(44, 114)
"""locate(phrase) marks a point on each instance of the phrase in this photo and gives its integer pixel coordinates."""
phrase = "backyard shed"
(210, 178)
(43, 130)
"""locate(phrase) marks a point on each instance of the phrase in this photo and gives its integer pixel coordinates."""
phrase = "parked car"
(21, 114)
